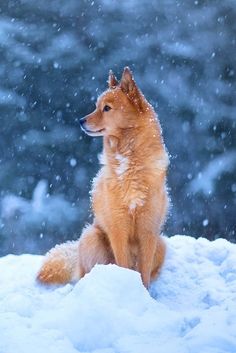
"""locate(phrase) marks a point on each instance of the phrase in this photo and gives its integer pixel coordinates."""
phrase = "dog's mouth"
(93, 133)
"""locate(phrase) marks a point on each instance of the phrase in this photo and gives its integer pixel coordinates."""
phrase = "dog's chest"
(130, 182)
(125, 183)
(134, 196)
(129, 192)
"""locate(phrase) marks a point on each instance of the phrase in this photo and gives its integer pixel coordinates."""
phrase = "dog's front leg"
(118, 226)
(119, 245)
(119, 240)
(147, 248)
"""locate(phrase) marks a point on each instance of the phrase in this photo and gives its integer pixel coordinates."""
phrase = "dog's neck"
(135, 142)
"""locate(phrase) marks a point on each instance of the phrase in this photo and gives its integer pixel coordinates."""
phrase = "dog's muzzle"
(82, 121)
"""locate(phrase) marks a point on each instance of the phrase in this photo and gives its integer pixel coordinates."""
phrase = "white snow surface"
(192, 306)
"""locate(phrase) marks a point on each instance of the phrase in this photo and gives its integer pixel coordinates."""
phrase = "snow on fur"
(192, 307)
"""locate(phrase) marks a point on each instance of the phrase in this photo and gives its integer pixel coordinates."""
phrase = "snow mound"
(192, 307)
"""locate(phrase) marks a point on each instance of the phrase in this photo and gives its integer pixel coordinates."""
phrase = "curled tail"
(60, 265)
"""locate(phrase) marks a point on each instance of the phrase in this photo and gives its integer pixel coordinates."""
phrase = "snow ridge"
(110, 311)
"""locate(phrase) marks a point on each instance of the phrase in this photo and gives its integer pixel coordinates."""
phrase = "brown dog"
(129, 196)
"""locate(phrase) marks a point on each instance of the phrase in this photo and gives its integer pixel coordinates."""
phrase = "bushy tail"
(60, 265)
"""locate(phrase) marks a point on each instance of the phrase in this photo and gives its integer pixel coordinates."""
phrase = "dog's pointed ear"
(128, 86)
(112, 80)
(127, 82)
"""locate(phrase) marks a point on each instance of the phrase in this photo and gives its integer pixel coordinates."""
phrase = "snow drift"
(192, 307)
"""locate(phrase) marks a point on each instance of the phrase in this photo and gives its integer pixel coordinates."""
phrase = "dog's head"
(121, 107)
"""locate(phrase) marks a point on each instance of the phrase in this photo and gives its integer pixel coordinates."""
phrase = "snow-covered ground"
(192, 307)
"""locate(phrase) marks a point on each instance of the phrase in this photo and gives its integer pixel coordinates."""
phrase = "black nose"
(82, 121)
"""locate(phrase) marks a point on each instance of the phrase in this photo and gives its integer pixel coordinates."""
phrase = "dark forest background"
(54, 61)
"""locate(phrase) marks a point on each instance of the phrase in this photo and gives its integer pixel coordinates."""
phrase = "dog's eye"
(106, 108)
